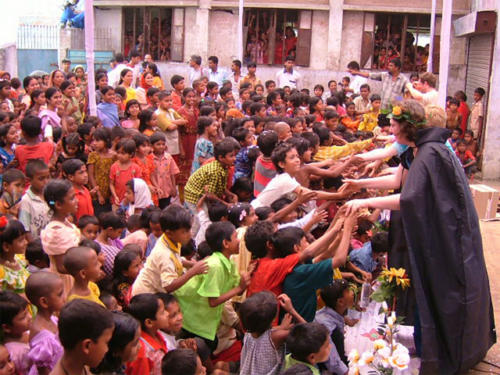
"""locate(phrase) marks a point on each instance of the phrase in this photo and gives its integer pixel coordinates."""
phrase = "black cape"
(446, 257)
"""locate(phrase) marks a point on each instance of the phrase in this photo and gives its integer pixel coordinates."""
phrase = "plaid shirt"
(391, 90)
(213, 175)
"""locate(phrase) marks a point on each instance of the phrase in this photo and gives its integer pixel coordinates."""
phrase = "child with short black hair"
(204, 148)
(202, 297)
(89, 226)
(82, 263)
(150, 311)
(370, 119)
(163, 271)
(13, 183)
(174, 326)
(37, 259)
(308, 344)
(33, 210)
(264, 167)
(263, 346)
(123, 170)
(243, 165)
(169, 121)
(367, 257)
(76, 172)
(112, 227)
(45, 291)
(85, 329)
(15, 319)
(182, 362)
(338, 298)
(164, 172)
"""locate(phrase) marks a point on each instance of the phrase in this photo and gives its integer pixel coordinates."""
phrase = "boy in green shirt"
(202, 297)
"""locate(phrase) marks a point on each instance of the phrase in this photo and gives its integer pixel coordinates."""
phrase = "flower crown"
(397, 113)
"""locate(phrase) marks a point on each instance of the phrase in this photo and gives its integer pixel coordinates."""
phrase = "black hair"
(305, 339)
(111, 220)
(216, 211)
(364, 225)
(71, 166)
(134, 53)
(167, 298)
(204, 250)
(236, 216)
(206, 110)
(269, 82)
(454, 101)
(353, 65)
(217, 232)
(214, 59)
(50, 92)
(11, 304)
(257, 238)
(140, 139)
(263, 213)
(224, 91)
(144, 117)
(285, 239)
(127, 145)
(396, 62)
(240, 134)
(153, 91)
(179, 362)
(12, 175)
(203, 123)
(129, 104)
(242, 184)
(212, 85)
(380, 242)
(175, 217)
(31, 126)
(255, 108)
(86, 220)
(144, 306)
(224, 147)
(267, 141)
(123, 73)
(157, 137)
(73, 139)
(4, 129)
(121, 263)
(324, 134)
(279, 154)
(146, 214)
(134, 221)
(34, 253)
(311, 137)
(329, 182)
(75, 259)
(103, 134)
(374, 97)
(85, 129)
(55, 191)
(300, 144)
(176, 79)
(331, 293)
(258, 311)
(280, 203)
(27, 80)
(65, 85)
(80, 320)
(126, 327)
(480, 91)
(458, 130)
(364, 86)
(189, 249)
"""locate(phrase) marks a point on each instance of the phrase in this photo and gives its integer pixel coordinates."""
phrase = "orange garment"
(350, 124)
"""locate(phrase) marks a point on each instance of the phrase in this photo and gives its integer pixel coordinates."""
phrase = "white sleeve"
(299, 223)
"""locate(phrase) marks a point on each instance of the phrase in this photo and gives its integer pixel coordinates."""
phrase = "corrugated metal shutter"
(478, 66)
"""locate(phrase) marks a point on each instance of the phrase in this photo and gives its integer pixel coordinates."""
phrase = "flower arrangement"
(386, 354)
(397, 113)
(390, 281)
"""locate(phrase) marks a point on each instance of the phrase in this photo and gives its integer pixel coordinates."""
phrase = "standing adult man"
(393, 82)
(356, 81)
(66, 66)
(214, 73)
(235, 78)
(114, 75)
(195, 70)
(288, 76)
(424, 90)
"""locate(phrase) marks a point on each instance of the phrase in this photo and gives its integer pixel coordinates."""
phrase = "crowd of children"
(188, 231)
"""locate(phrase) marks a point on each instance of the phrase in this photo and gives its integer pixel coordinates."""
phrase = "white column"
(335, 21)
(89, 54)
(433, 32)
(444, 51)
(240, 30)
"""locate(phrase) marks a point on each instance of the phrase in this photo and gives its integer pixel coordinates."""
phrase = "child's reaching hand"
(244, 280)
(287, 322)
(188, 344)
(285, 302)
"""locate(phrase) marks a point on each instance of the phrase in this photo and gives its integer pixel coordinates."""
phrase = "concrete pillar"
(202, 22)
(336, 15)
(491, 156)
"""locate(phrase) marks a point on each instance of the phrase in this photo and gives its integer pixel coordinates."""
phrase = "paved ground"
(491, 244)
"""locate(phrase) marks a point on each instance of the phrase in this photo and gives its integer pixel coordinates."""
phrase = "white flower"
(384, 306)
(379, 344)
(384, 353)
(391, 320)
(366, 359)
(400, 358)
(353, 356)
(354, 370)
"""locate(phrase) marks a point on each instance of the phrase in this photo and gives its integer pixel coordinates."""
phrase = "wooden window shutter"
(303, 50)
(366, 48)
(177, 38)
(435, 54)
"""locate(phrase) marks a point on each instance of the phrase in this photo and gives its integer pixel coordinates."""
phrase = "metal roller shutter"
(478, 66)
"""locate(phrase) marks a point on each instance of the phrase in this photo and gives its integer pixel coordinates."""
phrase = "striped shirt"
(264, 172)
(391, 89)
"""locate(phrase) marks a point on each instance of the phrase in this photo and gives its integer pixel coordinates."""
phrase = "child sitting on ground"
(85, 329)
(82, 263)
(45, 291)
(263, 346)
(150, 311)
(338, 297)
(466, 158)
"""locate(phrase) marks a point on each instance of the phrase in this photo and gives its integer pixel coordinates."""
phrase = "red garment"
(465, 157)
(85, 206)
(42, 150)
(231, 354)
(265, 170)
(176, 101)
(119, 177)
(151, 352)
(147, 167)
(271, 273)
(464, 110)
(187, 134)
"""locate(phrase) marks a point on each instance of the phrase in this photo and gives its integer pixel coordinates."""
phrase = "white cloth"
(114, 75)
(284, 78)
(428, 98)
(142, 196)
(299, 223)
(280, 185)
(194, 74)
(356, 83)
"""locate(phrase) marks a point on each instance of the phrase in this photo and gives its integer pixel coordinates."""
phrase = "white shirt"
(280, 185)
(136, 71)
(219, 76)
(356, 83)
(114, 75)
(194, 74)
(429, 98)
(284, 78)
